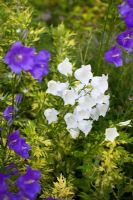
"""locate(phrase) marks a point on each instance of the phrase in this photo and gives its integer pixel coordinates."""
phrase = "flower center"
(18, 57)
(115, 55)
(29, 181)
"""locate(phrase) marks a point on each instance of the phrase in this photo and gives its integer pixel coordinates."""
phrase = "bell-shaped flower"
(71, 121)
(65, 67)
(86, 102)
(102, 109)
(100, 83)
(74, 132)
(123, 8)
(85, 126)
(114, 56)
(84, 74)
(125, 123)
(94, 114)
(111, 134)
(57, 88)
(81, 113)
(69, 96)
(51, 115)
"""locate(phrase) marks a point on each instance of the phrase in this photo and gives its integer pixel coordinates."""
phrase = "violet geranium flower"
(29, 183)
(123, 8)
(7, 114)
(130, 2)
(129, 18)
(114, 56)
(19, 57)
(125, 39)
(18, 144)
(40, 67)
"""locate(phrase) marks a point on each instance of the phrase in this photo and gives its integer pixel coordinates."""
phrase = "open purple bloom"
(125, 39)
(114, 56)
(42, 57)
(3, 185)
(40, 67)
(29, 183)
(19, 57)
(124, 9)
(7, 114)
(129, 18)
(130, 2)
(18, 144)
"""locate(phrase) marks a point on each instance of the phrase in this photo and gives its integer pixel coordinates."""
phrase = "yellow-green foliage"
(62, 189)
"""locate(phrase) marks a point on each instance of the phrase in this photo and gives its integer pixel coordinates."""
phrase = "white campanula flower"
(57, 88)
(74, 132)
(94, 114)
(84, 74)
(125, 123)
(81, 113)
(69, 96)
(86, 102)
(100, 83)
(111, 134)
(51, 115)
(85, 126)
(101, 98)
(65, 67)
(71, 121)
(102, 109)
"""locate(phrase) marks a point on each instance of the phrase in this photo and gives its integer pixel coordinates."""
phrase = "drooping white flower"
(71, 121)
(51, 115)
(102, 109)
(94, 114)
(101, 98)
(65, 67)
(87, 101)
(100, 83)
(69, 96)
(57, 88)
(111, 134)
(84, 74)
(125, 123)
(81, 113)
(74, 132)
(85, 126)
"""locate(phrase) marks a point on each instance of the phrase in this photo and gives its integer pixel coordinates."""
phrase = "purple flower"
(39, 71)
(7, 114)
(18, 98)
(125, 39)
(114, 56)
(18, 144)
(40, 67)
(3, 185)
(130, 2)
(19, 57)
(124, 8)
(129, 18)
(42, 57)
(7, 196)
(29, 183)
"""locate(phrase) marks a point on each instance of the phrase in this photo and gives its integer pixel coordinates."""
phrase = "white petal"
(57, 88)
(70, 120)
(100, 83)
(125, 123)
(51, 115)
(74, 132)
(65, 67)
(102, 109)
(69, 97)
(87, 102)
(85, 126)
(111, 134)
(94, 114)
(84, 74)
(81, 113)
